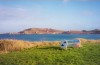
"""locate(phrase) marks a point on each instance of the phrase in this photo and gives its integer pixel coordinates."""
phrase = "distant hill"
(54, 31)
(95, 31)
(41, 31)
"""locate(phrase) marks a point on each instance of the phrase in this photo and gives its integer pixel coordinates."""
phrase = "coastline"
(8, 45)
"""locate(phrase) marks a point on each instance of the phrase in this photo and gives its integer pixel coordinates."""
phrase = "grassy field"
(89, 54)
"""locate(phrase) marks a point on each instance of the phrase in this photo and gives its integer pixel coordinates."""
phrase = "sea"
(49, 37)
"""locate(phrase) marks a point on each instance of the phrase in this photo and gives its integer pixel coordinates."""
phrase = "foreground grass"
(89, 54)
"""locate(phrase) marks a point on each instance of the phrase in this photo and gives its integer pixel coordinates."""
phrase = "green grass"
(89, 54)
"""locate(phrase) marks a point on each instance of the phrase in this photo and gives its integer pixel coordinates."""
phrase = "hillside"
(54, 31)
(40, 31)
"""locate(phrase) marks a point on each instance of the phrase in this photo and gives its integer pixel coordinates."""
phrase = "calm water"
(49, 37)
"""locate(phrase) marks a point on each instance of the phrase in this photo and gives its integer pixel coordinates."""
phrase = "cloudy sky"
(16, 15)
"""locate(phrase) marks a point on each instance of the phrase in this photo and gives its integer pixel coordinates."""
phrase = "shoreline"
(9, 45)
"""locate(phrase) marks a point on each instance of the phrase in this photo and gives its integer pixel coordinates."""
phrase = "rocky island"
(54, 31)
(41, 31)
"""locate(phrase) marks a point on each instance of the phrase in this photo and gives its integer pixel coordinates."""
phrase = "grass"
(14, 45)
(89, 54)
(8, 45)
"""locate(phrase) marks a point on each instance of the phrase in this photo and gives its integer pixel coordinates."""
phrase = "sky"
(17, 15)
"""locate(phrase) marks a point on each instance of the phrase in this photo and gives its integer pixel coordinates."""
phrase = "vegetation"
(89, 54)
(9, 45)
(12, 45)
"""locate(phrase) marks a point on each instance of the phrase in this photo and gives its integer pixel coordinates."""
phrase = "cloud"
(7, 13)
(20, 13)
(88, 13)
(79, 0)
(66, 0)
